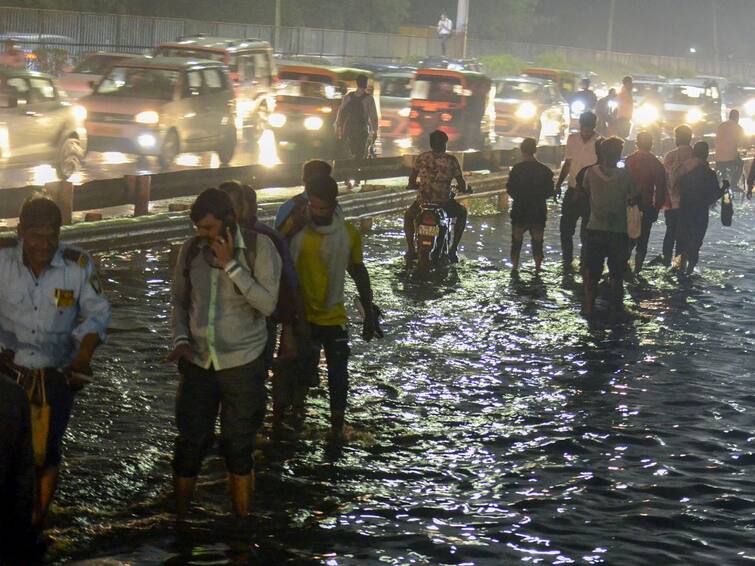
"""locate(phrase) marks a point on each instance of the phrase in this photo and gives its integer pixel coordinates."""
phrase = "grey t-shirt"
(609, 190)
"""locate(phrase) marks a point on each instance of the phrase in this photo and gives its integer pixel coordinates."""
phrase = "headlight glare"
(147, 117)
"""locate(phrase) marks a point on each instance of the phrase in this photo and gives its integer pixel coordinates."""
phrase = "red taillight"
(415, 130)
(413, 114)
(446, 117)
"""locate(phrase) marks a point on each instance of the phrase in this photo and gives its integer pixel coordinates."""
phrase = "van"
(251, 67)
(161, 107)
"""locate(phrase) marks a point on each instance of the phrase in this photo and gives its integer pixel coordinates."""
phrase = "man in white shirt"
(445, 29)
(729, 137)
(580, 153)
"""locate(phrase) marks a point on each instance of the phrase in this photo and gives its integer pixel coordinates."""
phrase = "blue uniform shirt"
(44, 320)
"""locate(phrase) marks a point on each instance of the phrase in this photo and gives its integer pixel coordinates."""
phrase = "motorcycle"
(433, 236)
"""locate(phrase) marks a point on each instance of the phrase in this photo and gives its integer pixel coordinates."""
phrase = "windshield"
(96, 64)
(194, 53)
(396, 88)
(518, 90)
(646, 89)
(134, 82)
(441, 89)
(686, 94)
(296, 83)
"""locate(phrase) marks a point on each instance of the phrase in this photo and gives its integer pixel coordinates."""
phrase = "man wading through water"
(325, 250)
(225, 285)
(357, 120)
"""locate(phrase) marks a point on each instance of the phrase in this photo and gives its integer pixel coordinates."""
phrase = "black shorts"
(611, 246)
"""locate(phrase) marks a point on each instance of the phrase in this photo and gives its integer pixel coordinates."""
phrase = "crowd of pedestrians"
(249, 300)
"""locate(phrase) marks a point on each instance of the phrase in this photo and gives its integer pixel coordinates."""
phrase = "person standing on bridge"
(677, 162)
(53, 315)
(580, 153)
(530, 184)
(445, 29)
(325, 250)
(225, 285)
(650, 176)
(609, 190)
(357, 120)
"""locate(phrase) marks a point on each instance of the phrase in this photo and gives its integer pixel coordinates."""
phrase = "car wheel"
(227, 149)
(70, 156)
(170, 150)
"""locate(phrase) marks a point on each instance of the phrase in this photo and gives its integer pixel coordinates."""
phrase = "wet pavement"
(492, 425)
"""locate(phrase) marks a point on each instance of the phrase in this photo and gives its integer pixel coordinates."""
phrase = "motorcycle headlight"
(750, 107)
(404, 112)
(577, 107)
(277, 120)
(313, 123)
(147, 117)
(79, 113)
(695, 115)
(646, 115)
(526, 111)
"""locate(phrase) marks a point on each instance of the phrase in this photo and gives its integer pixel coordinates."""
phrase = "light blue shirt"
(43, 320)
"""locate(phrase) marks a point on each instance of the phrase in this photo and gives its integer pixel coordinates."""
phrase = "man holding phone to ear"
(225, 285)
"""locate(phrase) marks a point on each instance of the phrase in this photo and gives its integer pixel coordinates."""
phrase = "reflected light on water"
(268, 150)
(188, 160)
(115, 158)
(43, 174)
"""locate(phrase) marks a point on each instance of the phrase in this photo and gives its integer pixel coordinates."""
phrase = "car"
(163, 106)
(38, 123)
(395, 107)
(695, 102)
(528, 107)
(251, 67)
(649, 94)
(79, 80)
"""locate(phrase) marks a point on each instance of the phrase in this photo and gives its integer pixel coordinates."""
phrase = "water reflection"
(493, 425)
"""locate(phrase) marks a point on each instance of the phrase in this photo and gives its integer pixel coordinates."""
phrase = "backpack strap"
(191, 255)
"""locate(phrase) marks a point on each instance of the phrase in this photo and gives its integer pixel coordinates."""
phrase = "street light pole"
(277, 34)
(462, 23)
(611, 17)
(714, 18)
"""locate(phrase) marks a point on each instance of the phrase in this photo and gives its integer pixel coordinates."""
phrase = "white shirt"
(581, 153)
(445, 26)
(728, 139)
(43, 320)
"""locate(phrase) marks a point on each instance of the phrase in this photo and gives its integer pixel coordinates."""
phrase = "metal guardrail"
(157, 229)
(108, 193)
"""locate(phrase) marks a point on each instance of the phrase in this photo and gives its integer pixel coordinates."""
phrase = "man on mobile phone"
(225, 285)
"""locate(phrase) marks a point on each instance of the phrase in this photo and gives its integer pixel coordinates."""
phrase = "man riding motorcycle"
(435, 170)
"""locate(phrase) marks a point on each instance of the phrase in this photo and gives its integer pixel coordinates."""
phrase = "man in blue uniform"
(53, 316)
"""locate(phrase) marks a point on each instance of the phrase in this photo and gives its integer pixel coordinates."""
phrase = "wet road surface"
(492, 425)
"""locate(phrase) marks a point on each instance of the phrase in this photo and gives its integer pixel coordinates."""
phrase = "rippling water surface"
(492, 425)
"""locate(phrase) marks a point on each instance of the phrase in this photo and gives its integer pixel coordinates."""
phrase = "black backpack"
(354, 116)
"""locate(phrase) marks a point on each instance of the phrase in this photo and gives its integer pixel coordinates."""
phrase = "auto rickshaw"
(460, 103)
(567, 81)
(306, 106)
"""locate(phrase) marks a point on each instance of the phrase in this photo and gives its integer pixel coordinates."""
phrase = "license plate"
(109, 131)
(425, 230)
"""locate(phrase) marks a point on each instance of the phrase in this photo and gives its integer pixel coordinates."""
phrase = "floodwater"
(492, 425)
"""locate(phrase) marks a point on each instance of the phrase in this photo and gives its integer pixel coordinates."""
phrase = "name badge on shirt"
(64, 298)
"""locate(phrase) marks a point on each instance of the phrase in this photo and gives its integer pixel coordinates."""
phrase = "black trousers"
(572, 212)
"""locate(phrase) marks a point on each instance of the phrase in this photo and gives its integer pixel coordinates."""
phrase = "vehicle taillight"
(446, 117)
(414, 114)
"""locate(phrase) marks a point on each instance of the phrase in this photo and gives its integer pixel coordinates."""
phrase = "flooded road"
(492, 425)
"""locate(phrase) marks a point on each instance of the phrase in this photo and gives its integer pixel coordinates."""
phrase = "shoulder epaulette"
(10, 242)
(76, 256)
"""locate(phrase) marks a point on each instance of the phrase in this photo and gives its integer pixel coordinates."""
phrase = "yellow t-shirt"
(313, 276)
